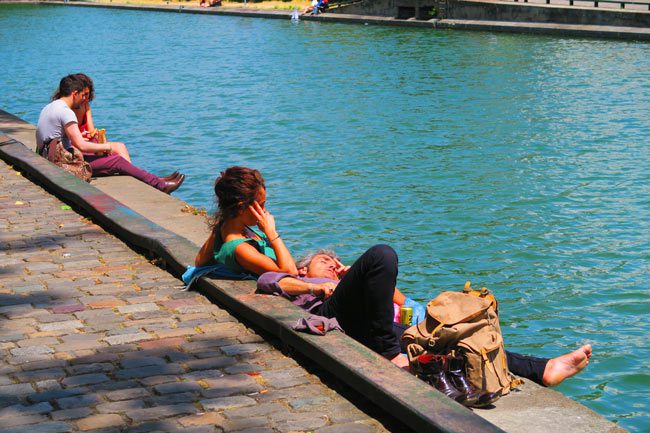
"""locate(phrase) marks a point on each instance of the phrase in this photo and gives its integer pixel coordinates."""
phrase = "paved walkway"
(93, 337)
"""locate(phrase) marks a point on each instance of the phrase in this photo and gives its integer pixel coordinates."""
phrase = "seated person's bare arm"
(398, 297)
(266, 223)
(91, 131)
(77, 140)
(294, 286)
(206, 253)
(252, 260)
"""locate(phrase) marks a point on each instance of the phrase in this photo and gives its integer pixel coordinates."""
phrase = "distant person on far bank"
(209, 3)
(316, 7)
(59, 123)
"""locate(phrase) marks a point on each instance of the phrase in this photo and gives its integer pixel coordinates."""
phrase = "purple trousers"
(115, 164)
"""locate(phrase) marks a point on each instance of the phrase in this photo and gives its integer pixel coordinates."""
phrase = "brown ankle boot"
(433, 372)
(456, 373)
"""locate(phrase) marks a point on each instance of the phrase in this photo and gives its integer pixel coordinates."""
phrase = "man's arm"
(278, 283)
(77, 140)
(294, 286)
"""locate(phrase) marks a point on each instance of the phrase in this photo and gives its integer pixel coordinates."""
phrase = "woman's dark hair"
(235, 190)
(74, 82)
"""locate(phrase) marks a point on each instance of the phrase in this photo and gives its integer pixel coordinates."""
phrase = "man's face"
(322, 266)
(80, 98)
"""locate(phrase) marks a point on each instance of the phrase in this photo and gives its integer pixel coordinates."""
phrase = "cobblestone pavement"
(93, 337)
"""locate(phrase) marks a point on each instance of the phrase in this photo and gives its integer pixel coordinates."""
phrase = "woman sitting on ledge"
(233, 241)
(87, 125)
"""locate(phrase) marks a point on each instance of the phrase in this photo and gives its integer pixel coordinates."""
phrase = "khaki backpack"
(464, 323)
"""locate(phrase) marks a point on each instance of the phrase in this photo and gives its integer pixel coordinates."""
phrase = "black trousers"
(363, 305)
(526, 366)
(363, 301)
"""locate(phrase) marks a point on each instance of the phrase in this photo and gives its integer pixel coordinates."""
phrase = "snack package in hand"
(101, 135)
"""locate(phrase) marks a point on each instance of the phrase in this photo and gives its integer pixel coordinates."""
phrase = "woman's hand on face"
(265, 220)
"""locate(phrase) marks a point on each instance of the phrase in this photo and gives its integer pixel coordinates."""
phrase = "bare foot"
(565, 366)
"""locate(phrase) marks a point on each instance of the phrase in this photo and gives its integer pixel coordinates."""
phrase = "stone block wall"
(382, 8)
(514, 12)
(521, 12)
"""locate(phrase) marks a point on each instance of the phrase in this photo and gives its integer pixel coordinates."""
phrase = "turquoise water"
(518, 162)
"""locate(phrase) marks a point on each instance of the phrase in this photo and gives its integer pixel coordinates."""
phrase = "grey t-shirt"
(51, 124)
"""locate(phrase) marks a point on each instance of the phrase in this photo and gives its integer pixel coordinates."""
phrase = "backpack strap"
(482, 293)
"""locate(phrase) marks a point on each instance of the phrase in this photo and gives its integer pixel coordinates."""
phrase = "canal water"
(518, 162)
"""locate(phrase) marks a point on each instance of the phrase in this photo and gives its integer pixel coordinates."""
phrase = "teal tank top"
(224, 252)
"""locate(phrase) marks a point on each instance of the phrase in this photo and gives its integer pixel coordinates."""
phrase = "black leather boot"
(433, 372)
(487, 398)
(456, 373)
(475, 398)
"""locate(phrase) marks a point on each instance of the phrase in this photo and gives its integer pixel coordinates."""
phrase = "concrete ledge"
(532, 408)
(576, 30)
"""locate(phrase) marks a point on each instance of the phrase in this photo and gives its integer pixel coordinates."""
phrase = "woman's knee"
(120, 149)
(118, 146)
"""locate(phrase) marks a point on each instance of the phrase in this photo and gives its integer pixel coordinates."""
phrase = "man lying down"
(361, 299)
